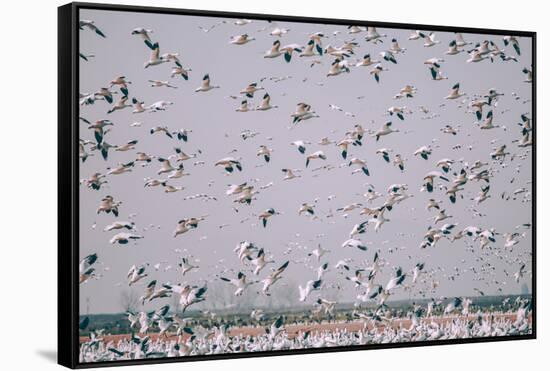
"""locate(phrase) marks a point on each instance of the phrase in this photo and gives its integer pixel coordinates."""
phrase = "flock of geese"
(255, 269)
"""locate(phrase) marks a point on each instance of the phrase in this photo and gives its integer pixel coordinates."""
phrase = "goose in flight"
(190, 295)
(353, 242)
(424, 152)
(240, 283)
(241, 39)
(185, 225)
(453, 48)
(122, 83)
(361, 163)
(179, 70)
(161, 129)
(228, 163)
(260, 261)
(251, 89)
(429, 180)
(359, 229)
(399, 161)
(429, 40)
(265, 104)
(123, 238)
(512, 40)
(386, 129)
(388, 56)
(300, 145)
(265, 215)
(86, 23)
(273, 277)
(303, 112)
(108, 205)
(366, 61)
(455, 92)
(166, 166)
(385, 152)
(308, 288)
(144, 33)
(127, 146)
(376, 71)
(373, 35)
(289, 173)
(445, 164)
(337, 67)
(205, 85)
(160, 83)
(86, 271)
(276, 51)
(398, 111)
(154, 58)
(135, 274)
(120, 104)
(315, 155)
(476, 56)
(528, 74)
(318, 252)
(396, 280)
(119, 225)
(306, 208)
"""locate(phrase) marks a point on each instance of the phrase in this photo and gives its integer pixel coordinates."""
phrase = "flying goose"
(86, 23)
(205, 85)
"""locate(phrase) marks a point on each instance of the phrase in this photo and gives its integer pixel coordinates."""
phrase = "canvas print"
(250, 185)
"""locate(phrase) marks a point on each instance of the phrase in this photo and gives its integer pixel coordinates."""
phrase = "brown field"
(293, 329)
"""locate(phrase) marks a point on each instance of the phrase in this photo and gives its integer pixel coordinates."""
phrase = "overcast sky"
(216, 129)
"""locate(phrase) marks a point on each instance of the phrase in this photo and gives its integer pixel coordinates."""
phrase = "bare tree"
(129, 300)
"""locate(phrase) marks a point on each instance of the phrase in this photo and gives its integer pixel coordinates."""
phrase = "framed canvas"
(235, 185)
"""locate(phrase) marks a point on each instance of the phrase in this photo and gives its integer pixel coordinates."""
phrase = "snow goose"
(366, 61)
(373, 35)
(429, 180)
(120, 104)
(251, 89)
(386, 129)
(424, 152)
(159, 83)
(144, 33)
(265, 152)
(241, 39)
(310, 286)
(136, 273)
(265, 104)
(205, 85)
(240, 283)
(455, 92)
(123, 238)
(289, 173)
(512, 40)
(315, 155)
(86, 23)
(85, 268)
(376, 71)
(154, 58)
(361, 163)
(228, 163)
(273, 277)
(179, 70)
(429, 40)
(265, 215)
(303, 112)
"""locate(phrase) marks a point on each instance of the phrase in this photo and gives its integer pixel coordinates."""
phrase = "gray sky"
(215, 131)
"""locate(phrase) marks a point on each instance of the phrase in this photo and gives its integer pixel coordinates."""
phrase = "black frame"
(68, 180)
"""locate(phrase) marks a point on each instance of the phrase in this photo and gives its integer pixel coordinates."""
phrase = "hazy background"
(216, 129)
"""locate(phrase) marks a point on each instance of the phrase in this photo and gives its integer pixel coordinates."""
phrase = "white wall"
(28, 181)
